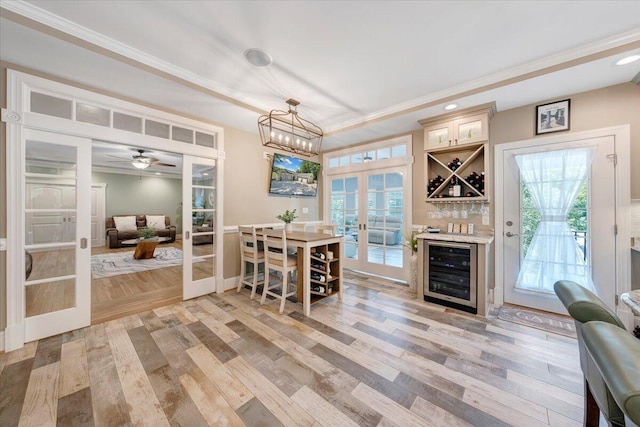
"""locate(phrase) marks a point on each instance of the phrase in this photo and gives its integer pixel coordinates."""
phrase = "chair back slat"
(275, 246)
(330, 229)
(248, 240)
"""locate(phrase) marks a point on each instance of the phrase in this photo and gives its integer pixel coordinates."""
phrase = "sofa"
(115, 237)
(391, 236)
(206, 226)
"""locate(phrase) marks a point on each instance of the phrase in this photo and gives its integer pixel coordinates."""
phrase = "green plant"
(411, 241)
(287, 216)
(146, 233)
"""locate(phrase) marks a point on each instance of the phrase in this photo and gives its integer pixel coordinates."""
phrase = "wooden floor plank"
(14, 381)
(144, 407)
(74, 369)
(233, 390)
(41, 398)
(109, 405)
(379, 358)
(209, 400)
(324, 412)
(76, 409)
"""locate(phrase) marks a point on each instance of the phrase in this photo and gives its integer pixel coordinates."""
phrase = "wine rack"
(465, 166)
(324, 270)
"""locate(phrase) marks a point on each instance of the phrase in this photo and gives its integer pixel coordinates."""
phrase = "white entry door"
(369, 209)
(57, 218)
(545, 241)
(199, 233)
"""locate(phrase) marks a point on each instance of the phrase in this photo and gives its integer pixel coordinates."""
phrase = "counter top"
(632, 299)
(463, 238)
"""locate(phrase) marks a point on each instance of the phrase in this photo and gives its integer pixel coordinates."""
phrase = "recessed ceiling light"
(451, 106)
(158, 173)
(257, 57)
(628, 60)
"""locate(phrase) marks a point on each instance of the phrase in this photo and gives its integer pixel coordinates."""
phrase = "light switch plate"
(305, 210)
(485, 219)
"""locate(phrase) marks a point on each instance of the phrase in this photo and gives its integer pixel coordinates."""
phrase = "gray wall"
(130, 194)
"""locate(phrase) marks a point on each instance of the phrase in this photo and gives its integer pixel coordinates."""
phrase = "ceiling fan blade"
(163, 164)
(118, 161)
(117, 157)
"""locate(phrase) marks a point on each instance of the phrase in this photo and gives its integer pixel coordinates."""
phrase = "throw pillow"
(125, 223)
(156, 222)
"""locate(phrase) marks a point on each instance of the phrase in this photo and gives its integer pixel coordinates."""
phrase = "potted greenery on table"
(146, 233)
(288, 216)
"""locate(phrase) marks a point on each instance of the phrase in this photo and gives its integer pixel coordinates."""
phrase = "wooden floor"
(379, 358)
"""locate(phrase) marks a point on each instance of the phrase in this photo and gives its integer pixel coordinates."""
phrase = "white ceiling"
(362, 70)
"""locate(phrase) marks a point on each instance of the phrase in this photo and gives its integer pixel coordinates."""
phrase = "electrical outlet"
(485, 219)
(265, 155)
(305, 210)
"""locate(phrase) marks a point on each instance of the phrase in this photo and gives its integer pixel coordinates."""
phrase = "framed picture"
(552, 117)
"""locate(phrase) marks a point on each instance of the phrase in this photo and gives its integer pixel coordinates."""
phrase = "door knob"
(510, 234)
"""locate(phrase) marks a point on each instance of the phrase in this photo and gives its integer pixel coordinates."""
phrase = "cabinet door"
(438, 136)
(470, 129)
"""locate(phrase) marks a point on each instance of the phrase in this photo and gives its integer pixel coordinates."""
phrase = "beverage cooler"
(450, 274)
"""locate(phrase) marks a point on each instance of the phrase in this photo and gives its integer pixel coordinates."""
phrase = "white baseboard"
(231, 283)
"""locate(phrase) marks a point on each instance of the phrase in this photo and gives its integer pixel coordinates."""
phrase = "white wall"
(130, 194)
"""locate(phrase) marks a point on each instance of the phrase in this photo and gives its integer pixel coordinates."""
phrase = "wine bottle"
(319, 255)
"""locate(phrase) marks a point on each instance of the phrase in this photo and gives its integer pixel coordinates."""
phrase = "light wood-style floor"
(117, 296)
(379, 358)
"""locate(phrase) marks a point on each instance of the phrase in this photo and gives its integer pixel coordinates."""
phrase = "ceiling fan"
(140, 161)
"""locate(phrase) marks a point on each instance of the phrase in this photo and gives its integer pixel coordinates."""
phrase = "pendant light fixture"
(287, 131)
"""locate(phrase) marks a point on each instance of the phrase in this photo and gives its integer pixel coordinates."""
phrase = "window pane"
(399, 151)
(337, 185)
(156, 129)
(351, 185)
(205, 139)
(334, 163)
(393, 180)
(356, 158)
(126, 122)
(89, 114)
(182, 134)
(376, 182)
(384, 153)
(344, 160)
(50, 105)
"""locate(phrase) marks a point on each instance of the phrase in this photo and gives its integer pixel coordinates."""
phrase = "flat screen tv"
(291, 176)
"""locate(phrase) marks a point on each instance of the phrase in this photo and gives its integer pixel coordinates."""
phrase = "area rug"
(115, 264)
(546, 321)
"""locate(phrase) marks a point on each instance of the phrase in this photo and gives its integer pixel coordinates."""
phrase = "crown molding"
(55, 22)
(569, 58)
(102, 44)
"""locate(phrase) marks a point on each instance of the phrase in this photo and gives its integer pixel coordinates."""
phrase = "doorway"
(370, 209)
(560, 222)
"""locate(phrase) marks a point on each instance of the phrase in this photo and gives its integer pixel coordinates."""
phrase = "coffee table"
(146, 247)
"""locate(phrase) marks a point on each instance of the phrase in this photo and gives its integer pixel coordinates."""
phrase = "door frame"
(622, 138)
(405, 162)
(18, 116)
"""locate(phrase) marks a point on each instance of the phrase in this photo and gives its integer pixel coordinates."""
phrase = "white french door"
(369, 208)
(199, 233)
(587, 245)
(57, 220)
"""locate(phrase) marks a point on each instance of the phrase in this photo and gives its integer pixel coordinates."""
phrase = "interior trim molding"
(622, 136)
(56, 26)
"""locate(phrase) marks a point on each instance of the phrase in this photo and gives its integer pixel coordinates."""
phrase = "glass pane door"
(344, 213)
(199, 226)
(57, 222)
(385, 223)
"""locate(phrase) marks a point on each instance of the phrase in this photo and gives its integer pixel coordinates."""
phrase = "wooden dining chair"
(249, 253)
(330, 229)
(276, 258)
(299, 226)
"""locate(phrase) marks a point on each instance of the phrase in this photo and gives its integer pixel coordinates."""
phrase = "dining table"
(306, 242)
